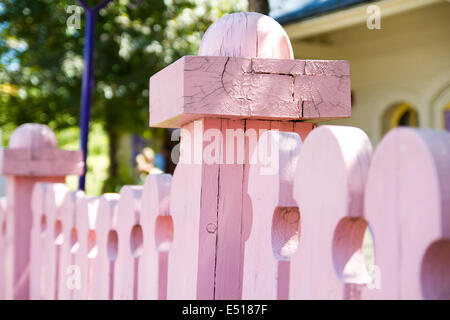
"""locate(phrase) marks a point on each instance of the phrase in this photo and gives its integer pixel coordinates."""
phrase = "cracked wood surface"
(213, 218)
(249, 88)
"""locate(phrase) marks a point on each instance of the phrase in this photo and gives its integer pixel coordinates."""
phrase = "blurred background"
(399, 53)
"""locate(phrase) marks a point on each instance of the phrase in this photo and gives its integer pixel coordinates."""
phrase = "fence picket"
(85, 217)
(275, 222)
(69, 276)
(158, 231)
(107, 246)
(329, 187)
(130, 242)
(408, 207)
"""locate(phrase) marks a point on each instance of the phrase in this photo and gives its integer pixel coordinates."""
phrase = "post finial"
(248, 35)
(33, 152)
(33, 136)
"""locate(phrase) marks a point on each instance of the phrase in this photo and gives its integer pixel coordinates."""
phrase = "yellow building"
(400, 73)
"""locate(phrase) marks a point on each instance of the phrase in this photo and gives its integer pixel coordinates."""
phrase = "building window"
(447, 117)
(402, 114)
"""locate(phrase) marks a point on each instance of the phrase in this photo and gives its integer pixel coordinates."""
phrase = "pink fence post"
(32, 156)
(36, 243)
(243, 82)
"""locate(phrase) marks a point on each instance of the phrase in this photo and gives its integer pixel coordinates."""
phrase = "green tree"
(261, 6)
(41, 60)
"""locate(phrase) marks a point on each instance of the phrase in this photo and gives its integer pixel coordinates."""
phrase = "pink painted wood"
(408, 207)
(69, 276)
(85, 218)
(48, 227)
(130, 242)
(3, 248)
(329, 190)
(19, 191)
(246, 34)
(192, 246)
(157, 228)
(32, 156)
(33, 152)
(245, 70)
(46, 239)
(221, 220)
(8, 254)
(50, 235)
(36, 245)
(235, 85)
(241, 88)
(235, 82)
(107, 247)
(228, 267)
(275, 224)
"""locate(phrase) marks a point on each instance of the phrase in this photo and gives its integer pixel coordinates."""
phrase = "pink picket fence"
(262, 204)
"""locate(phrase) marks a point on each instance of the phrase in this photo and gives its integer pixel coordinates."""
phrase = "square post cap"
(246, 70)
(33, 151)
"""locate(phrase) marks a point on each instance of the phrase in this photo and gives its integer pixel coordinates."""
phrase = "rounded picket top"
(156, 220)
(156, 194)
(329, 188)
(106, 221)
(190, 281)
(70, 244)
(129, 210)
(407, 204)
(86, 213)
(85, 217)
(246, 34)
(33, 136)
(107, 247)
(157, 228)
(54, 200)
(130, 243)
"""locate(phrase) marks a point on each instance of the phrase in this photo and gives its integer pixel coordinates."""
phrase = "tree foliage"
(41, 58)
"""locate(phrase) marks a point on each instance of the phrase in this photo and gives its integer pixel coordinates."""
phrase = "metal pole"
(87, 86)
(88, 81)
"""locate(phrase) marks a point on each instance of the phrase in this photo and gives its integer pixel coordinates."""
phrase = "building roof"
(315, 8)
